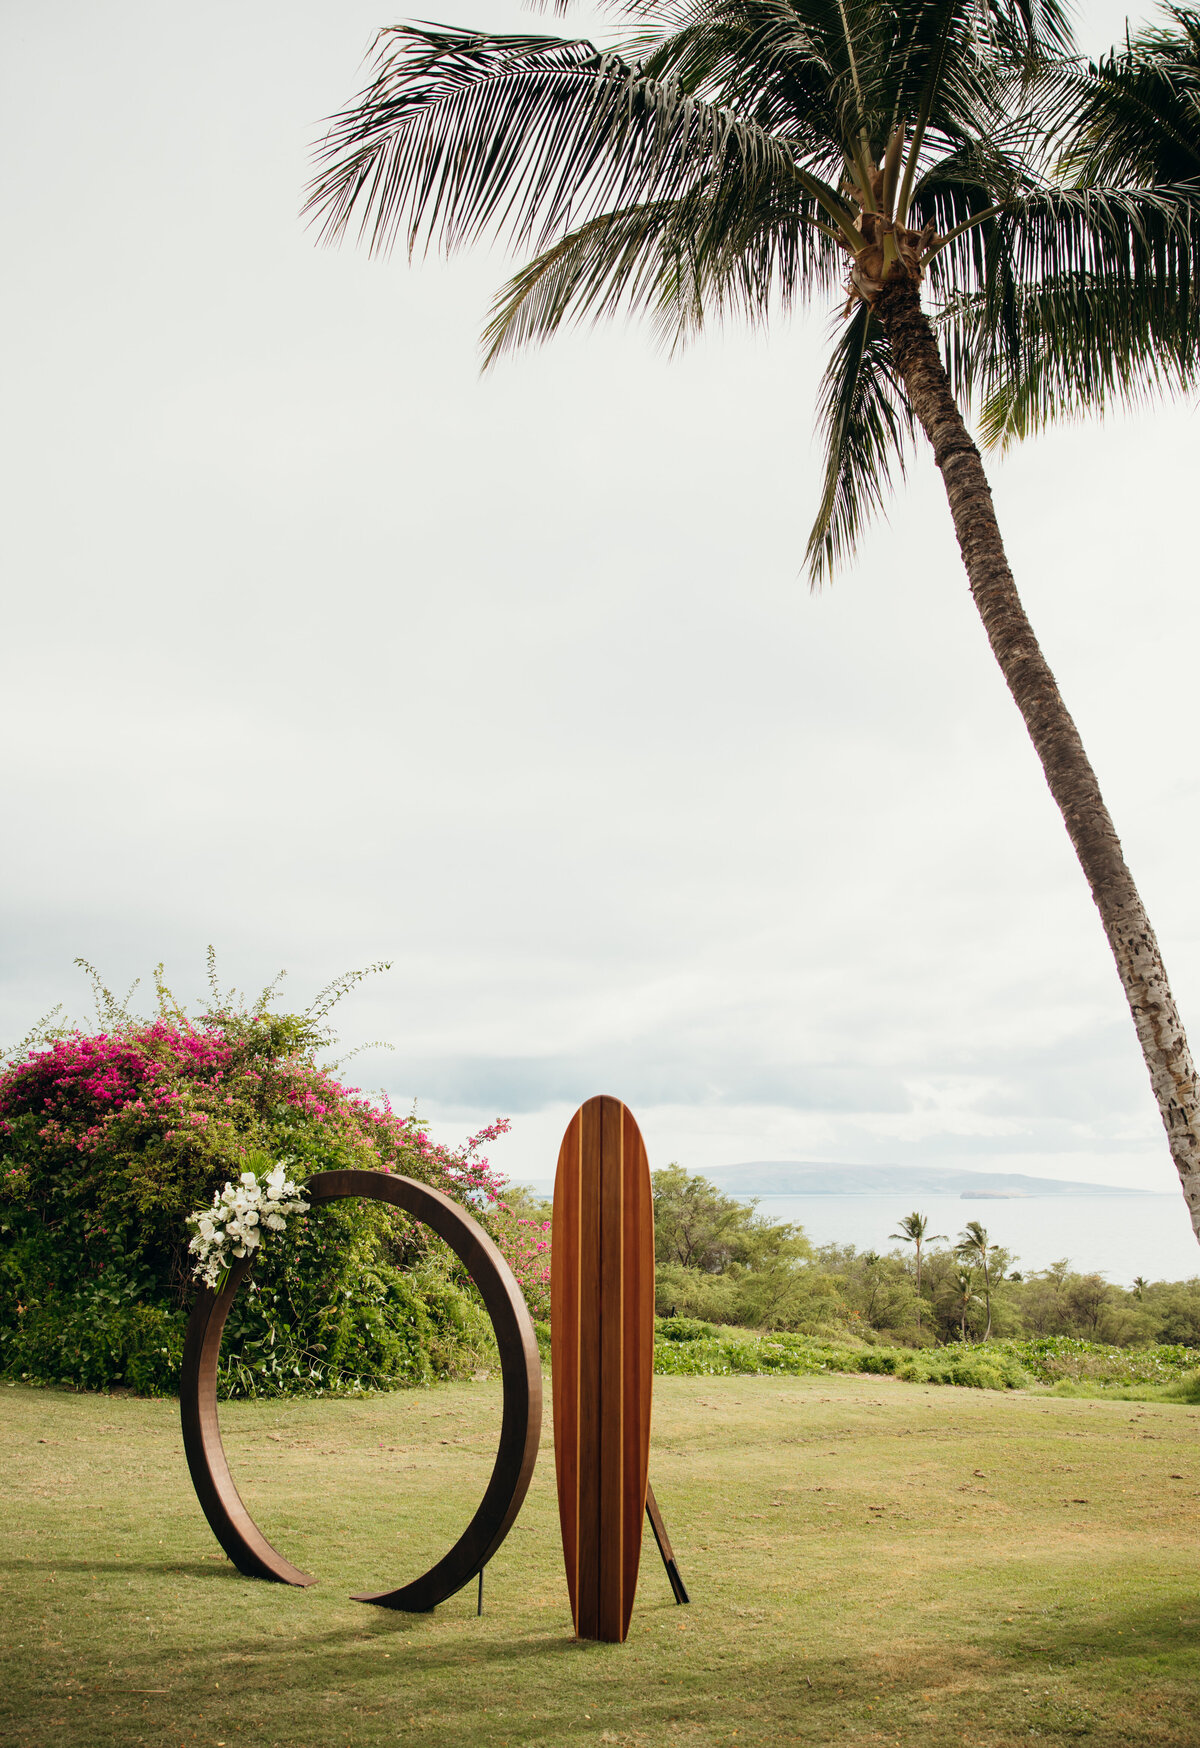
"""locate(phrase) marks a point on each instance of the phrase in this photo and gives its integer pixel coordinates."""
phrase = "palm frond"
(1137, 114)
(616, 258)
(868, 427)
(459, 135)
(677, 261)
(1136, 243)
(1077, 298)
(1069, 300)
(822, 73)
(1066, 349)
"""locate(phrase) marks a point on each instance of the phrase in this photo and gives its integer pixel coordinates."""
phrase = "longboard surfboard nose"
(602, 1353)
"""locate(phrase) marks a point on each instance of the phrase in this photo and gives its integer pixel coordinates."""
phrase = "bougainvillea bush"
(524, 1243)
(109, 1141)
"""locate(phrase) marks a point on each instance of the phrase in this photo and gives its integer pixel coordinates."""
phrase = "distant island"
(785, 1177)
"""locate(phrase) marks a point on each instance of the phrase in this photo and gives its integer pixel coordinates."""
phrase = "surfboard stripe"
(590, 1365)
(602, 1338)
(638, 1304)
(564, 1383)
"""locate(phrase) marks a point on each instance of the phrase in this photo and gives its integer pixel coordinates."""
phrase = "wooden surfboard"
(602, 1352)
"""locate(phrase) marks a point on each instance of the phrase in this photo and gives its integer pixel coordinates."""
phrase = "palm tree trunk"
(1053, 733)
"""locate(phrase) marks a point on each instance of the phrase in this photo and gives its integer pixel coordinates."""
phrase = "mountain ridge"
(795, 1177)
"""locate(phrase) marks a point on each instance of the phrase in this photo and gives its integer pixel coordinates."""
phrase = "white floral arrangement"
(234, 1225)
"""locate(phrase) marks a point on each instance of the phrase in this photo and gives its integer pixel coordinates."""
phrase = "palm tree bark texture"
(1051, 727)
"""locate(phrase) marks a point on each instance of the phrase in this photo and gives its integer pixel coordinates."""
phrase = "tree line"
(723, 1261)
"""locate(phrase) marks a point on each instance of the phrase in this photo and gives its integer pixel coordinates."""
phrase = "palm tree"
(739, 155)
(914, 1230)
(964, 1282)
(974, 1246)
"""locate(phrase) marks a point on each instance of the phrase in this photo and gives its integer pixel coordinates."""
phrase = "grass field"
(870, 1561)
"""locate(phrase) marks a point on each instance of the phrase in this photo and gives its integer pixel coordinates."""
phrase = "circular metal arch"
(520, 1428)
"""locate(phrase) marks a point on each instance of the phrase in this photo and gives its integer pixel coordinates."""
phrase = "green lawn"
(870, 1561)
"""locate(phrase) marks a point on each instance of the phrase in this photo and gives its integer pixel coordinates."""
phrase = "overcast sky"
(324, 649)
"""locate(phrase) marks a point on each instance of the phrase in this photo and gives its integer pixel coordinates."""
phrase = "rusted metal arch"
(520, 1428)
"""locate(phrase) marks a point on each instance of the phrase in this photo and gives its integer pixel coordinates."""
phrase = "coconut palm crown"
(914, 1230)
(739, 156)
(725, 158)
(975, 1247)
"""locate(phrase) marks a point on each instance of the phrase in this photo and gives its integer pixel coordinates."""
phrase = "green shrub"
(682, 1329)
(1187, 1389)
(94, 1337)
(976, 1368)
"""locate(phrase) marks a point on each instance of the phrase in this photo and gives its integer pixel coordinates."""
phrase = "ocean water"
(1116, 1236)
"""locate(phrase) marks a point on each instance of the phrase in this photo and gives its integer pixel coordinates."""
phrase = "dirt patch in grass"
(870, 1561)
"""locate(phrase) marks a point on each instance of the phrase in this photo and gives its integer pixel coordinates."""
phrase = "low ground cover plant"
(685, 1347)
(727, 1352)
